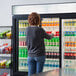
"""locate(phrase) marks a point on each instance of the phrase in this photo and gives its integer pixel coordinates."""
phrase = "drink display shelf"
(4, 68)
(49, 69)
(56, 36)
(70, 47)
(23, 69)
(22, 46)
(69, 26)
(70, 51)
(22, 27)
(22, 36)
(22, 58)
(69, 37)
(5, 55)
(57, 51)
(5, 39)
(51, 59)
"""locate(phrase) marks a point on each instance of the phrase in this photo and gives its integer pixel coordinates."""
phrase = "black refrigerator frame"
(15, 40)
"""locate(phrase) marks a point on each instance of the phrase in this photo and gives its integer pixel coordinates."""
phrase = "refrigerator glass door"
(52, 45)
(68, 42)
(23, 53)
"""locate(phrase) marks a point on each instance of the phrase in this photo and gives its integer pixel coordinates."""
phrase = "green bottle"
(19, 52)
(24, 53)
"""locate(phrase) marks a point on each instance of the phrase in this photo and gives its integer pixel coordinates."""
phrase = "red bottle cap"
(5, 44)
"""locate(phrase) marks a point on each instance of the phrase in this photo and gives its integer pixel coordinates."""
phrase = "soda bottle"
(19, 52)
(22, 53)
(25, 52)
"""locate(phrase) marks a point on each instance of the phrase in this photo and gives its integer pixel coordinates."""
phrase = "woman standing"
(35, 43)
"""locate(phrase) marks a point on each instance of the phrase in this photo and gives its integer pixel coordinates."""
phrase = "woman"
(35, 43)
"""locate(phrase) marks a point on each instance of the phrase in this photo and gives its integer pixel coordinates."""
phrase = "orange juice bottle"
(43, 22)
(52, 22)
(65, 43)
(68, 43)
(75, 44)
(71, 43)
(47, 21)
(57, 23)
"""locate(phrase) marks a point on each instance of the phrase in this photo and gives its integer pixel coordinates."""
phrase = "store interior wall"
(6, 8)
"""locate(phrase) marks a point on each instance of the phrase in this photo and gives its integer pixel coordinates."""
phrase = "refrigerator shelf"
(22, 27)
(70, 57)
(22, 46)
(4, 68)
(46, 58)
(69, 26)
(51, 59)
(5, 55)
(70, 47)
(69, 36)
(70, 51)
(23, 68)
(52, 51)
(22, 36)
(5, 39)
(22, 58)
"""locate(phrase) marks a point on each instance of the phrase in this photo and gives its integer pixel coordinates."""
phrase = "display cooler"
(5, 50)
(60, 50)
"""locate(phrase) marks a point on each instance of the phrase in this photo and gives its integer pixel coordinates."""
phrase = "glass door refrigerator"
(49, 23)
(69, 40)
(5, 50)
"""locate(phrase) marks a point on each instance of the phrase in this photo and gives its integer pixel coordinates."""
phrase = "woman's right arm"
(47, 36)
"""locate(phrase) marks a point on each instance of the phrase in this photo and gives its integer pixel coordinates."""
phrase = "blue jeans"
(35, 65)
